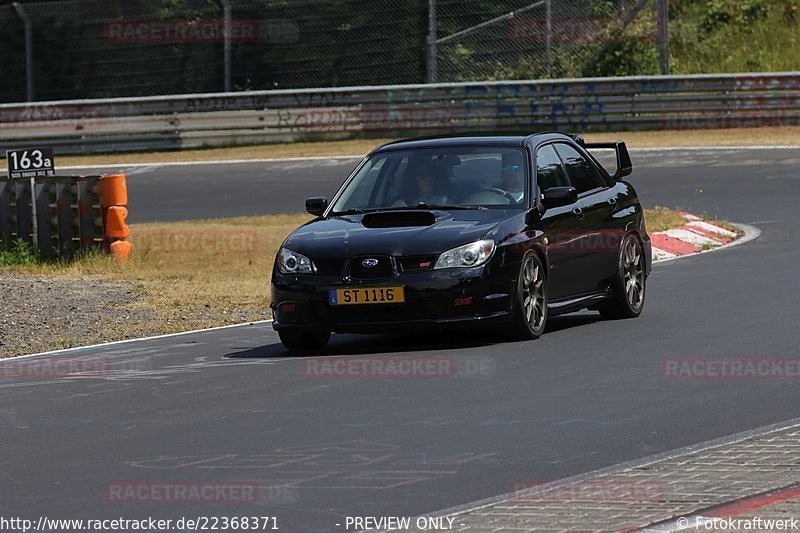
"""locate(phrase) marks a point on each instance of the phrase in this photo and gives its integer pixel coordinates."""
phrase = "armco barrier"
(65, 214)
(575, 105)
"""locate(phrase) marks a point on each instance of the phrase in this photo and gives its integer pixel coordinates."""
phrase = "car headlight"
(469, 255)
(290, 262)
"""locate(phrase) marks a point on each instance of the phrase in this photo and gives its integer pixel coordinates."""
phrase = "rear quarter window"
(582, 175)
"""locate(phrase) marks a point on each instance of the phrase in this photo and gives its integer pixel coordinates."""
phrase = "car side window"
(549, 171)
(582, 174)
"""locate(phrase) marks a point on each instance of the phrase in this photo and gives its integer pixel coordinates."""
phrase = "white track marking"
(689, 237)
(750, 233)
(114, 343)
(660, 255)
(712, 228)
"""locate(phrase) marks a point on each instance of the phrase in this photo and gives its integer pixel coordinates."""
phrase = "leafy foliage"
(735, 36)
(17, 253)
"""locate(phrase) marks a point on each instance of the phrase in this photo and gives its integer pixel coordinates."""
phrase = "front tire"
(304, 339)
(629, 284)
(530, 299)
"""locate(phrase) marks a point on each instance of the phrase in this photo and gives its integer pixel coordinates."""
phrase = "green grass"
(661, 218)
(714, 36)
(18, 253)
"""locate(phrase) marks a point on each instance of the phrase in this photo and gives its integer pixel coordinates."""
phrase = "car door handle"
(578, 212)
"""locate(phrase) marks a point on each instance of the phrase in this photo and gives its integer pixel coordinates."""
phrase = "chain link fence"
(550, 39)
(72, 49)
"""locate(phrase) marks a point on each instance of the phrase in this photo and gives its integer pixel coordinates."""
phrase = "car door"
(597, 205)
(562, 228)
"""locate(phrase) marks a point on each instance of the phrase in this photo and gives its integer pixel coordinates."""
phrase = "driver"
(513, 177)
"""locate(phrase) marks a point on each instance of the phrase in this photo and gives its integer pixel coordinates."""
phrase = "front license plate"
(367, 295)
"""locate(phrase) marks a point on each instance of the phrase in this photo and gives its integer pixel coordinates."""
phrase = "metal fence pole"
(28, 48)
(226, 35)
(663, 14)
(549, 22)
(432, 51)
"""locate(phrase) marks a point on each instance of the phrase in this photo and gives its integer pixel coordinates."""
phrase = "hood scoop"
(398, 219)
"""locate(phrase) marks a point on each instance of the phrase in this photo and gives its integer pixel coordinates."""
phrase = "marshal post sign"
(31, 163)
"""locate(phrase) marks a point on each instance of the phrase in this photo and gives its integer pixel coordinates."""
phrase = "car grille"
(359, 271)
(417, 263)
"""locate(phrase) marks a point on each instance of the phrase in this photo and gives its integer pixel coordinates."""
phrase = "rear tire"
(530, 300)
(304, 339)
(629, 284)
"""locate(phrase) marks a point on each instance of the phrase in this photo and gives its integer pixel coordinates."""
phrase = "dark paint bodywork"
(580, 252)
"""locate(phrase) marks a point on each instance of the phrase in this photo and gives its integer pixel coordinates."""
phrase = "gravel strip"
(39, 313)
(43, 313)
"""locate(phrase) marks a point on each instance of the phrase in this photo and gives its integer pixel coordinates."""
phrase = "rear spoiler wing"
(624, 165)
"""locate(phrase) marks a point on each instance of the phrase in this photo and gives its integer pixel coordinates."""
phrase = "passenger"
(422, 187)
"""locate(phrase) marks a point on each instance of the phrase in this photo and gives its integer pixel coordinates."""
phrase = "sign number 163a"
(30, 163)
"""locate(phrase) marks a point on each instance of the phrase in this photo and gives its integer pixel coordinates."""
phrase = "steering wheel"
(505, 194)
(493, 190)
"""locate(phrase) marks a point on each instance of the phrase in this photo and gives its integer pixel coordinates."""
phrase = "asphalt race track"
(228, 406)
(179, 192)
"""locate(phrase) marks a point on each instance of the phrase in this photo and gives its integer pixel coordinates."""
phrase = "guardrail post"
(23, 210)
(89, 221)
(6, 215)
(66, 198)
(43, 237)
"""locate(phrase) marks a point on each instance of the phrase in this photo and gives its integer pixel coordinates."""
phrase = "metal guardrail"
(589, 104)
(58, 215)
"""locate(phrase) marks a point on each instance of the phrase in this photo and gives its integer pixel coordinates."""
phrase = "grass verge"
(192, 274)
(661, 219)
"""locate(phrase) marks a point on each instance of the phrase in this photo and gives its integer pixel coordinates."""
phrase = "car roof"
(471, 140)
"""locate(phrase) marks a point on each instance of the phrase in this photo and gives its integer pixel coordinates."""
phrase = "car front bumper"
(433, 297)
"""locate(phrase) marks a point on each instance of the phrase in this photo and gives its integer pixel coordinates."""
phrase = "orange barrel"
(113, 190)
(115, 223)
(121, 249)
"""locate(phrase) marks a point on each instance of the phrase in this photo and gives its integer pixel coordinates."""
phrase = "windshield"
(457, 177)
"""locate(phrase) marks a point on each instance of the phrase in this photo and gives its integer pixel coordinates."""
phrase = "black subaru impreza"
(496, 230)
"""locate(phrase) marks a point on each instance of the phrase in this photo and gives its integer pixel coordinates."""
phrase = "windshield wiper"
(351, 211)
(423, 205)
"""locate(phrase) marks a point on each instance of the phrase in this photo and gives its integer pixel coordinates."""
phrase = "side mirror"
(559, 196)
(316, 205)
